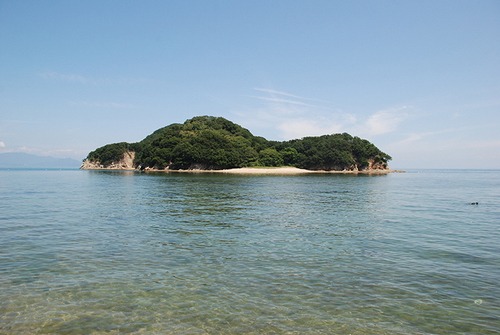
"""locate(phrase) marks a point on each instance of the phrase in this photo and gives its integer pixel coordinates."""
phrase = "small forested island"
(208, 143)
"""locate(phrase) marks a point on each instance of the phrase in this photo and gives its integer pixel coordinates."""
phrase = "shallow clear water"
(89, 252)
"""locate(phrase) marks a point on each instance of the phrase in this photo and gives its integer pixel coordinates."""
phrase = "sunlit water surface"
(89, 252)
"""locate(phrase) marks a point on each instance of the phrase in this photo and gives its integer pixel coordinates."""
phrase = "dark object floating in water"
(474, 203)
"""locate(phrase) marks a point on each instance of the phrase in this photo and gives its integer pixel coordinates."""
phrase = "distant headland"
(215, 144)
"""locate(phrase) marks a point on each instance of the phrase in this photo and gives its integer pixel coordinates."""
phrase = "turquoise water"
(89, 252)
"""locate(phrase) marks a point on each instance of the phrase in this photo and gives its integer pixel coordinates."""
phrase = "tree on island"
(208, 142)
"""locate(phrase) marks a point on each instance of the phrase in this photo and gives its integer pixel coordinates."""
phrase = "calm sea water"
(89, 252)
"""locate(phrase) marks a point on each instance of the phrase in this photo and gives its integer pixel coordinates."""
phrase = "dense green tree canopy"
(208, 142)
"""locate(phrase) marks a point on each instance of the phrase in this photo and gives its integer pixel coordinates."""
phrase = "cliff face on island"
(126, 162)
(214, 143)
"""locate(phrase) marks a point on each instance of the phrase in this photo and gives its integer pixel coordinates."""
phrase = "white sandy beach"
(285, 170)
(276, 171)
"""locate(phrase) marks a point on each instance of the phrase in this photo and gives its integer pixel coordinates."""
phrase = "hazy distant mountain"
(13, 160)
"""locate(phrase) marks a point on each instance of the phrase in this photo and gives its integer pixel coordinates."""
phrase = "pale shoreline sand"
(286, 170)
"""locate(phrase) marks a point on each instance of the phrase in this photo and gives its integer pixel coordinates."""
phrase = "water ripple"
(108, 252)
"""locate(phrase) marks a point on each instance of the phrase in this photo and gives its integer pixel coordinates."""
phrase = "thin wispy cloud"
(385, 121)
(301, 127)
(273, 92)
(284, 101)
(102, 105)
(289, 115)
(485, 144)
(439, 147)
(417, 137)
(294, 116)
(76, 78)
(67, 77)
(430, 136)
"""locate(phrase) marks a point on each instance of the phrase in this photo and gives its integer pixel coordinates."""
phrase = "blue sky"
(420, 79)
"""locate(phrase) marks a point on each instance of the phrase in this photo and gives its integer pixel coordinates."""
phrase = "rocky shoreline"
(284, 170)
